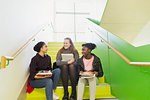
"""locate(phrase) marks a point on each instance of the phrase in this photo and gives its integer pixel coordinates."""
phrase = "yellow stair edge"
(60, 45)
(102, 91)
(62, 42)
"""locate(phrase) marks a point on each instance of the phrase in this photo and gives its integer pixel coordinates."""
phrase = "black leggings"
(67, 70)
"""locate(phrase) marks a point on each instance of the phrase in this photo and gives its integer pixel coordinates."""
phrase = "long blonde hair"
(72, 48)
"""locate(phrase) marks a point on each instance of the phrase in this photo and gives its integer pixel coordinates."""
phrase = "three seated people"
(88, 64)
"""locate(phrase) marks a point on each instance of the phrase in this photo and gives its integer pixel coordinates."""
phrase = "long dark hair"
(72, 49)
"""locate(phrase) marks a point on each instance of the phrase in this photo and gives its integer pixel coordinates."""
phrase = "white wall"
(13, 78)
(129, 20)
(64, 23)
(143, 38)
(19, 19)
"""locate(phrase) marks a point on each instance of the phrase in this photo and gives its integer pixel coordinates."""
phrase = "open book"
(83, 75)
(44, 72)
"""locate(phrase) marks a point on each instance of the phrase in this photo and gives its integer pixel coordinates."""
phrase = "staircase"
(102, 90)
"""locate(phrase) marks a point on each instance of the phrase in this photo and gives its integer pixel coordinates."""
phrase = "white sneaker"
(55, 97)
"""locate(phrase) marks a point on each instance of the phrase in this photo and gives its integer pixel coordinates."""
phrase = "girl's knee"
(63, 66)
(58, 70)
(71, 65)
(49, 81)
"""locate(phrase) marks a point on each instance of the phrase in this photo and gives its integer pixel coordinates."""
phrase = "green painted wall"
(127, 82)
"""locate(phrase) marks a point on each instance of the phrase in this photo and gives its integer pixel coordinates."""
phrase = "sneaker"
(55, 97)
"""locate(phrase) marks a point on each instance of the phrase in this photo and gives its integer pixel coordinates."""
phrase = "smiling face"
(66, 44)
(44, 48)
(85, 51)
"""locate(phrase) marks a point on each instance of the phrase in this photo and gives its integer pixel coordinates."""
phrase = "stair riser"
(62, 42)
(58, 48)
(55, 53)
(59, 45)
(101, 92)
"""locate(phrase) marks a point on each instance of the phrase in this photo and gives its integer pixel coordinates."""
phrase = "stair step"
(56, 50)
(54, 47)
(55, 53)
(62, 42)
(102, 91)
(60, 45)
(101, 81)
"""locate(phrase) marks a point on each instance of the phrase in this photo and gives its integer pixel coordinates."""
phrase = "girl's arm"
(59, 61)
(76, 56)
(33, 68)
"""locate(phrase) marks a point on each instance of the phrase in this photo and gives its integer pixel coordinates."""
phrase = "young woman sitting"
(42, 61)
(68, 68)
(89, 65)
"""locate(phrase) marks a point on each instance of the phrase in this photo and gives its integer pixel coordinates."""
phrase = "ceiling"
(128, 19)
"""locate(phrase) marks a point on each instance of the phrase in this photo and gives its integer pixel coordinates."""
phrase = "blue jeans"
(50, 84)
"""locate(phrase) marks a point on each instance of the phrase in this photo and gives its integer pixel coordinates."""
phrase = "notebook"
(86, 75)
(44, 72)
(67, 57)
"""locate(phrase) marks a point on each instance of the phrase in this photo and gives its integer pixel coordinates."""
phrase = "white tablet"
(67, 57)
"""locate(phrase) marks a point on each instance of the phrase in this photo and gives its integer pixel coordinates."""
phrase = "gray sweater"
(59, 58)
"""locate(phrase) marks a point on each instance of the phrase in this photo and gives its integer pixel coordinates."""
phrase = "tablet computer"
(67, 57)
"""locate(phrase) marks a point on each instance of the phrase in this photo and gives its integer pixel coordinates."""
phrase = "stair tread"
(62, 42)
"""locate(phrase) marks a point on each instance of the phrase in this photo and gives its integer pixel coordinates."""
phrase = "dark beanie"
(38, 46)
(90, 46)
